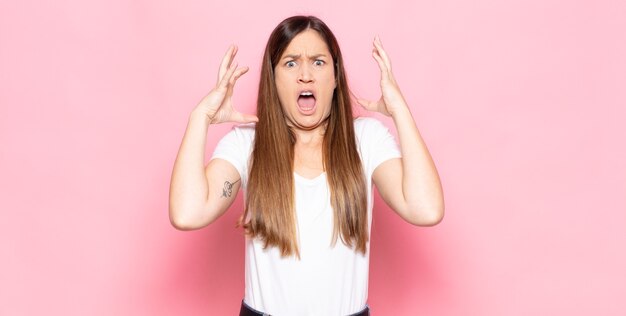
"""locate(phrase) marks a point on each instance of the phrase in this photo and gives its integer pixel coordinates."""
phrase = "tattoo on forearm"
(228, 188)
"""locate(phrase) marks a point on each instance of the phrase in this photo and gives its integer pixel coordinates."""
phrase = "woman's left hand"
(391, 99)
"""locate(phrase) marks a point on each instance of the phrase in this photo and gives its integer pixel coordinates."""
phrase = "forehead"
(308, 42)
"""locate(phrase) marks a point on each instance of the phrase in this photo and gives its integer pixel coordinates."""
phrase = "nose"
(305, 75)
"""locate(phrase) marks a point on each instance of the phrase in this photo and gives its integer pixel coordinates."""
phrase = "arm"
(410, 185)
(196, 192)
(199, 194)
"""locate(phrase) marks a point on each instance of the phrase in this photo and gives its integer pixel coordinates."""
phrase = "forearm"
(189, 187)
(421, 186)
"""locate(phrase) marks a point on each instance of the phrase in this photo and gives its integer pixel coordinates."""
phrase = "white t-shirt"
(326, 281)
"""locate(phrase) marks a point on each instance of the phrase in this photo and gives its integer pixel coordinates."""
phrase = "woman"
(307, 166)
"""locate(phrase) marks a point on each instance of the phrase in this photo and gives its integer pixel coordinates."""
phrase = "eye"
(290, 64)
(319, 62)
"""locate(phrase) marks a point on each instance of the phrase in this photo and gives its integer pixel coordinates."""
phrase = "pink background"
(520, 102)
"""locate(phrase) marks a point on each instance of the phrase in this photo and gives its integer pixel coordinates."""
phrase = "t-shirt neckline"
(317, 179)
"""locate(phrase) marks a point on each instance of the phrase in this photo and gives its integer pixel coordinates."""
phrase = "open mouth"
(306, 101)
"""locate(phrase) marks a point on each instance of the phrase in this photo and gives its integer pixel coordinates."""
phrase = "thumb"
(365, 103)
(244, 118)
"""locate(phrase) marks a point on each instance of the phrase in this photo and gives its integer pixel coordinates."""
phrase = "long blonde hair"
(270, 192)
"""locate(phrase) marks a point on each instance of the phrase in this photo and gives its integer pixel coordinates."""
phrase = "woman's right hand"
(217, 107)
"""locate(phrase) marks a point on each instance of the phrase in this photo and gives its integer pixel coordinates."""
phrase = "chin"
(308, 123)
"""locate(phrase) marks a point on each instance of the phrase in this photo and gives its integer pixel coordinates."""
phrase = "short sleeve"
(376, 143)
(236, 147)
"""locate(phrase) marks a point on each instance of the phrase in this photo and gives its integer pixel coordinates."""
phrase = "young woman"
(307, 166)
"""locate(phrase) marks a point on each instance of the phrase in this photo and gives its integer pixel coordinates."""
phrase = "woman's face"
(305, 80)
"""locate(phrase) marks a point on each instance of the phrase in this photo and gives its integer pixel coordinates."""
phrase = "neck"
(308, 138)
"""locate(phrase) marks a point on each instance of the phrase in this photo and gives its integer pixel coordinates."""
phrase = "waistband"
(249, 311)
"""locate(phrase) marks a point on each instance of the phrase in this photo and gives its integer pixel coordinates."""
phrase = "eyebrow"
(296, 56)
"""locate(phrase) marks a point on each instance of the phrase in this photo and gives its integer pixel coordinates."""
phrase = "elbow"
(428, 217)
(179, 223)
(182, 222)
(436, 216)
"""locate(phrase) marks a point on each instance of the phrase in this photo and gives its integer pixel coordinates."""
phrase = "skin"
(420, 200)
(409, 185)
(306, 64)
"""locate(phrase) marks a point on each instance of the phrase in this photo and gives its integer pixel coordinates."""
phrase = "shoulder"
(364, 122)
(235, 147)
(366, 126)
(243, 133)
(245, 129)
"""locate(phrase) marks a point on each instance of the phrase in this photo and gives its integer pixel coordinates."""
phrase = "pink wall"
(521, 103)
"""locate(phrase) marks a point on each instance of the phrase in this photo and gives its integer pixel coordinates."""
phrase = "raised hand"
(217, 106)
(391, 98)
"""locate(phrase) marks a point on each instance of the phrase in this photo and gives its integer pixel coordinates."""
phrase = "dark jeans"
(249, 311)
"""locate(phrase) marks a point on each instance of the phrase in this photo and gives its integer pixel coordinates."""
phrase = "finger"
(223, 84)
(231, 83)
(362, 102)
(378, 106)
(354, 97)
(226, 61)
(381, 107)
(223, 65)
(384, 72)
(244, 118)
(366, 104)
(238, 73)
(382, 52)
